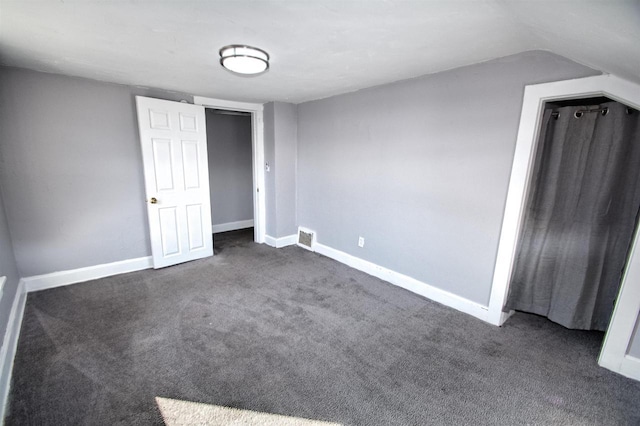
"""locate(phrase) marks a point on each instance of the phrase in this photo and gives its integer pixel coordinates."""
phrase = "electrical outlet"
(360, 241)
(267, 167)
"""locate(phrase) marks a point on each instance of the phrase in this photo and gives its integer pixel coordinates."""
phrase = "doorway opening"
(255, 113)
(230, 159)
(617, 352)
(581, 213)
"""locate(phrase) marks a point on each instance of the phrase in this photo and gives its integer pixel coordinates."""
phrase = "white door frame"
(257, 137)
(614, 351)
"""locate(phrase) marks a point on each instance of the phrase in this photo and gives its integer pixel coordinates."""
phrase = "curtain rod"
(579, 113)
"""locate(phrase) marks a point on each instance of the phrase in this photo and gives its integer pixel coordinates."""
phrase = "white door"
(176, 174)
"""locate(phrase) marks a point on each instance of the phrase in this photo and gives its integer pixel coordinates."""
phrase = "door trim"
(257, 142)
(627, 307)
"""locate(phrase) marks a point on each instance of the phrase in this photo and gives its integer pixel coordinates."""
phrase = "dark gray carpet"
(291, 332)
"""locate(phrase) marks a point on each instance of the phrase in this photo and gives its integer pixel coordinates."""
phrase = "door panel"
(191, 160)
(159, 120)
(188, 123)
(169, 231)
(163, 164)
(194, 223)
(174, 154)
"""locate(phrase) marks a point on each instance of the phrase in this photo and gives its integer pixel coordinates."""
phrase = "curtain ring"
(577, 114)
(605, 111)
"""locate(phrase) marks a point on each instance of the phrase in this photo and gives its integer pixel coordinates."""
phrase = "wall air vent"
(306, 238)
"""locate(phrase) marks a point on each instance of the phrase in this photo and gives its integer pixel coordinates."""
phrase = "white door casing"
(257, 137)
(174, 154)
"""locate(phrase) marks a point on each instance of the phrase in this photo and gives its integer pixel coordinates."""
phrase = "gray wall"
(286, 132)
(281, 136)
(9, 269)
(230, 167)
(270, 176)
(72, 171)
(420, 168)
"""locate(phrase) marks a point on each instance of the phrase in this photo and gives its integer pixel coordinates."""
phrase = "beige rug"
(179, 413)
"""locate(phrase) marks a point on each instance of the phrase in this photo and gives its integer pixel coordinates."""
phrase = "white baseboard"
(232, 226)
(630, 367)
(289, 240)
(58, 279)
(430, 292)
(10, 344)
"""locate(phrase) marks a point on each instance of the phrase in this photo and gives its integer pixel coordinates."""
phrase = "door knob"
(153, 200)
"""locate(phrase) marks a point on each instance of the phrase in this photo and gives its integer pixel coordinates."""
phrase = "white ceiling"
(318, 48)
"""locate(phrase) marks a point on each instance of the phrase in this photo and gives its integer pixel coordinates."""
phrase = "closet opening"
(231, 178)
(581, 213)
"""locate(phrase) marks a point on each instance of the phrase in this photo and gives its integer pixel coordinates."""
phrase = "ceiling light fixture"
(244, 59)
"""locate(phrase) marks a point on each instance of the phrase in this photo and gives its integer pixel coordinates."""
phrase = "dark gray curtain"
(580, 218)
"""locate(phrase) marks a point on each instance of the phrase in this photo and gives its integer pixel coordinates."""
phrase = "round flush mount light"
(244, 59)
